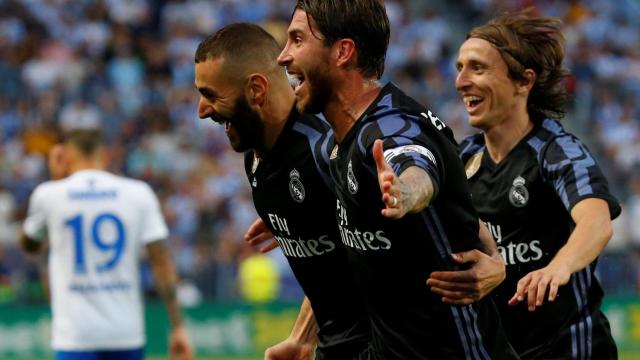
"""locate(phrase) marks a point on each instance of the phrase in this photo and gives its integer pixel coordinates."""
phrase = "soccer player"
(403, 205)
(539, 189)
(286, 161)
(97, 224)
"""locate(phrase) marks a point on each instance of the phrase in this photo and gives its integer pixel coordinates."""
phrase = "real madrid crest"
(352, 183)
(296, 189)
(518, 194)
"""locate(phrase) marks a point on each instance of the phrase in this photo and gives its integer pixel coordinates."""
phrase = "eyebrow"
(208, 92)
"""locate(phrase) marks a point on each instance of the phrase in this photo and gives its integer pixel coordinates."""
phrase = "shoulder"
(307, 122)
(471, 145)
(554, 145)
(134, 188)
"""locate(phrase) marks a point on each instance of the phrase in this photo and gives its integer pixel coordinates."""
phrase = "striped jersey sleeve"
(569, 167)
(405, 142)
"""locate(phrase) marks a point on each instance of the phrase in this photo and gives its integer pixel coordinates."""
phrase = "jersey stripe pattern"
(526, 202)
(393, 258)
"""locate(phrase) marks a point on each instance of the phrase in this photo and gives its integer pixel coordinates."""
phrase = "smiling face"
(307, 61)
(227, 105)
(489, 94)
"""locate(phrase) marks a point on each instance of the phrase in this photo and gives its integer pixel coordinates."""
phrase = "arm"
(301, 343)
(166, 281)
(410, 192)
(591, 234)
(487, 271)
(30, 245)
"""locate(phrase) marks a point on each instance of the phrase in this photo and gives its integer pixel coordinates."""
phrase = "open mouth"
(295, 80)
(472, 102)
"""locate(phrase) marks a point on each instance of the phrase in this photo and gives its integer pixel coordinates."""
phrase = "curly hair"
(536, 43)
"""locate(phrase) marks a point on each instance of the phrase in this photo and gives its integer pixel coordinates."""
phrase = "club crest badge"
(296, 189)
(473, 165)
(518, 194)
(334, 153)
(352, 183)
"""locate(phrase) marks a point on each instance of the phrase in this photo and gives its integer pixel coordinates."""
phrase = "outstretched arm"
(591, 234)
(467, 286)
(166, 283)
(408, 193)
(300, 345)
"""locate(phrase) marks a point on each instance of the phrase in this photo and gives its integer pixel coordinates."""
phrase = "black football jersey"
(526, 201)
(291, 194)
(392, 259)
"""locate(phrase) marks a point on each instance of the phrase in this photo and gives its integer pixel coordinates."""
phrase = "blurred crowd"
(126, 67)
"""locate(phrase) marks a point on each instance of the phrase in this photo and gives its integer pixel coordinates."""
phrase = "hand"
(468, 286)
(58, 166)
(534, 285)
(290, 350)
(179, 346)
(390, 185)
(258, 233)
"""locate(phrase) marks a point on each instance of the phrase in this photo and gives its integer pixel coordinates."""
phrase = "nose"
(285, 57)
(205, 110)
(462, 80)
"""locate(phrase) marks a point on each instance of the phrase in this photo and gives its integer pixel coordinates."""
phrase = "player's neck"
(502, 138)
(86, 165)
(352, 97)
(275, 115)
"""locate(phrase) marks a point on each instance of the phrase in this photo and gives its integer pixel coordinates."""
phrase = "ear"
(256, 89)
(345, 53)
(525, 84)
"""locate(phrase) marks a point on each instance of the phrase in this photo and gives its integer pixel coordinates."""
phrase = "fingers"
(272, 245)
(465, 276)
(520, 290)
(553, 290)
(257, 227)
(378, 156)
(455, 297)
(471, 256)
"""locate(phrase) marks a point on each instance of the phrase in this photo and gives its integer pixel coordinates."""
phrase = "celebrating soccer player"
(403, 202)
(538, 188)
(286, 161)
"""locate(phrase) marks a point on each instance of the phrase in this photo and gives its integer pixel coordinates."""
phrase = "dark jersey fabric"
(392, 259)
(291, 194)
(526, 201)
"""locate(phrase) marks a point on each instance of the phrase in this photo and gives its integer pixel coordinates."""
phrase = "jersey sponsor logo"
(352, 183)
(473, 165)
(390, 154)
(515, 253)
(361, 240)
(296, 189)
(518, 194)
(298, 248)
(303, 248)
(521, 253)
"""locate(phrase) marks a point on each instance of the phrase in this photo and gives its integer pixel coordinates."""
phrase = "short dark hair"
(531, 42)
(244, 46)
(363, 21)
(87, 141)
